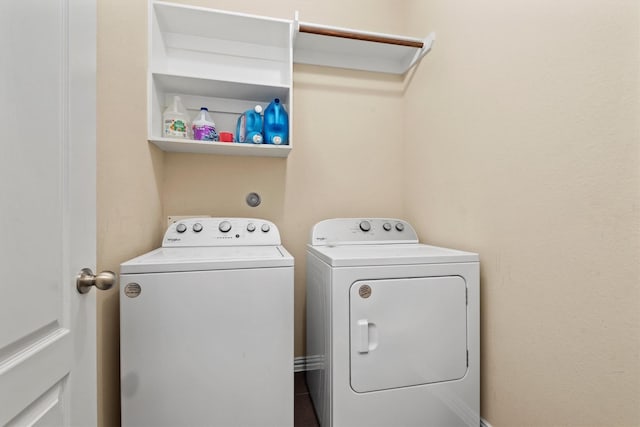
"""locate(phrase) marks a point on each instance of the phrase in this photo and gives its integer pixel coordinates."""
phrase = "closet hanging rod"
(305, 28)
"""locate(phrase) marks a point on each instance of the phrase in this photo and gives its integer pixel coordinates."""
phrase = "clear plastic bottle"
(204, 129)
(175, 120)
(276, 124)
(249, 126)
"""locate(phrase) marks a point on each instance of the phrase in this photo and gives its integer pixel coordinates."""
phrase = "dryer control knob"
(224, 226)
(265, 227)
(399, 226)
(181, 228)
(251, 227)
(365, 226)
(197, 227)
(386, 226)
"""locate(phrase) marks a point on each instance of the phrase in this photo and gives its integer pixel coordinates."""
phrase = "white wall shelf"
(197, 86)
(223, 148)
(230, 62)
(227, 62)
(360, 50)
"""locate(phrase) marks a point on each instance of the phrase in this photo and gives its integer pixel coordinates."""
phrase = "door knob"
(86, 279)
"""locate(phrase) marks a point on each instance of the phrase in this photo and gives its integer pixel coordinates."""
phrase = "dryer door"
(407, 332)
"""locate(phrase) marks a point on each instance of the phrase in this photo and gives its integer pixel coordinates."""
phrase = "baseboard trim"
(308, 363)
(484, 423)
(299, 364)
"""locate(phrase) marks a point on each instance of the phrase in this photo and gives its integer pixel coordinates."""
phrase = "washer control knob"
(265, 228)
(365, 226)
(181, 228)
(386, 226)
(251, 227)
(197, 227)
(224, 226)
(400, 226)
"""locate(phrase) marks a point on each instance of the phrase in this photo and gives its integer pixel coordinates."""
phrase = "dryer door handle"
(363, 331)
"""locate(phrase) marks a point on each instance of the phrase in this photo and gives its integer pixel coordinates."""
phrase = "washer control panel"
(357, 231)
(221, 232)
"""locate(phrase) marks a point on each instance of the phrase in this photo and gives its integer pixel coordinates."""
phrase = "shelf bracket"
(296, 27)
(427, 44)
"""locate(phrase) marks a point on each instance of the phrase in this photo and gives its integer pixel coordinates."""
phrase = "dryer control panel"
(221, 232)
(362, 231)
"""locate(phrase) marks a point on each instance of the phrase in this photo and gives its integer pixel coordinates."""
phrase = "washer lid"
(389, 254)
(165, 260)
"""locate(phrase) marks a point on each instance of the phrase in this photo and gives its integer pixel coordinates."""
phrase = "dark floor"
(303, 413)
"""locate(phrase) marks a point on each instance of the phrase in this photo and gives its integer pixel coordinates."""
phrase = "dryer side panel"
(407, 332)
(318, 318)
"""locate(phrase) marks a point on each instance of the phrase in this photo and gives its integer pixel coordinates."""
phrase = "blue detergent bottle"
(276, 124)
(249, 126)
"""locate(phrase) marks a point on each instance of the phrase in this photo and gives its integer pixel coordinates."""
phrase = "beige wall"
(525, 148)
(130, 175)
(521, 143)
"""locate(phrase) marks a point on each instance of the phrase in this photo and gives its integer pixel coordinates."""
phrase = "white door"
(407, 332)
(47, 212)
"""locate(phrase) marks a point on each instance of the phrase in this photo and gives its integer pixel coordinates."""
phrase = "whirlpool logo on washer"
(132, 290)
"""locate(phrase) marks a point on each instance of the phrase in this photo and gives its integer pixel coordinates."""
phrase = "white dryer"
(206, 327)
(392, 327)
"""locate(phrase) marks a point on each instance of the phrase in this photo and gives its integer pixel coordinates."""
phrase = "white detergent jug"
(175, 120)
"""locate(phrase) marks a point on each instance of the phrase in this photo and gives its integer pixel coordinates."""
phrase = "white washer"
(392, 327)
(206, 327)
